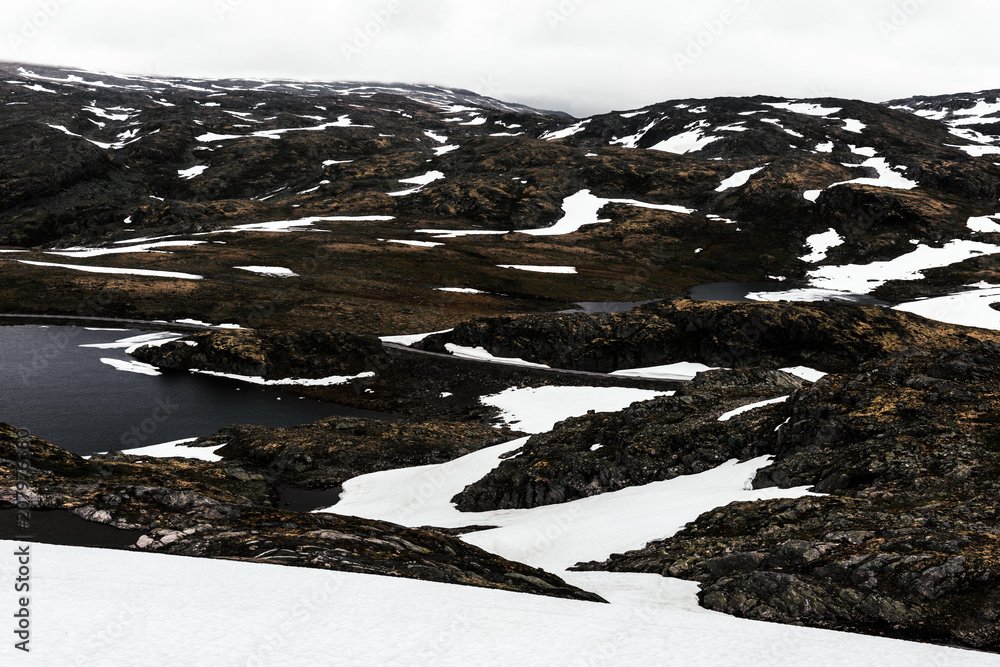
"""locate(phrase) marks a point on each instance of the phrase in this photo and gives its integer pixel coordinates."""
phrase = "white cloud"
(592, 57)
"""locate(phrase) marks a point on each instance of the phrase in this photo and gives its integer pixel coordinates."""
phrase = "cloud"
(583, 56)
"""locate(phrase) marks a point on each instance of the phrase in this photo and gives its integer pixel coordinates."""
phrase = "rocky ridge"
(93, 160)
(222, 510)
(904, 543)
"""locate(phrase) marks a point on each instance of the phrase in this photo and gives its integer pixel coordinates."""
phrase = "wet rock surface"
(826, 336)
(268, 354)
(93, 165)
(647, 442)
(220, 510)
(905, 543)
(329, 452)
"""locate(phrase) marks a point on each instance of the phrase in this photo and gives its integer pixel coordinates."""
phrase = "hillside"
(746, 342)
(386, 195)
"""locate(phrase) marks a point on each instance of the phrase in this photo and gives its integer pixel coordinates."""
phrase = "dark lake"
(65, 394)
(739, 291)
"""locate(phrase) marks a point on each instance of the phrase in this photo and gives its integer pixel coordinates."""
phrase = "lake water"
(607, 306)
(786, 290)
(63, 393)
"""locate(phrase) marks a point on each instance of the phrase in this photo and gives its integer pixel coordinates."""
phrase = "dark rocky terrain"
(828, 336)
(907, 541)
(91, 160)
(351, 190)
(224, 510)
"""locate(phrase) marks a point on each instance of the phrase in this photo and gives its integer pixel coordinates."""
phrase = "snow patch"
(738, 179)
(822, 243)
(273, 271)
(681, 371)
(726, 416)
(539, 269)
(537, 409)
(118, 271)
(864, 278)
(481, 354)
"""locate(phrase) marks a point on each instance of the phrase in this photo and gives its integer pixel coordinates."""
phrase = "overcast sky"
(579, 56)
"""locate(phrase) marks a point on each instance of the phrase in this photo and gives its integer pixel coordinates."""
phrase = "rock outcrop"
(827, 336)
(268, 353)
(906, 541)
(220, 510)
(331, 451)
(647, 442)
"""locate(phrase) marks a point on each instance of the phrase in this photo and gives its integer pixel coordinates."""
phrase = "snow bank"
(117, 271)
(681, 371)
(537, 409)
(863, 278)
(273, 271)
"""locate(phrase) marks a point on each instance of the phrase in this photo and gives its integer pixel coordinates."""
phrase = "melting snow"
(806, 108)
(481, 354)
(888, 177)
(863, 278)
(419, 181)
(987, 224)
(582, 208)
(738, 179)
(144, 247)
(419, 244)
(131, 366)
(410, 339)
(133, 343)
(820, 244)
(632, 141)
(111, 269)
(851, 125)
(460, 290)
(681, 371)
(289, 382)
(178, 448)
(274, 271)
(687, 142)
(726, 416)
(188, 174)
(424, 179)
(565, 132)
(804, 372)
(970, 308)
(537, 409)
(802, 294)
(295, 225)
(539, 269)
(979, 151)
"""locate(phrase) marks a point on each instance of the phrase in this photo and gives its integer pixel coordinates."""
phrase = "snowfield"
(537, 409)
(970, 308)
(864, 278)
(102, 607)
(95, 607)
